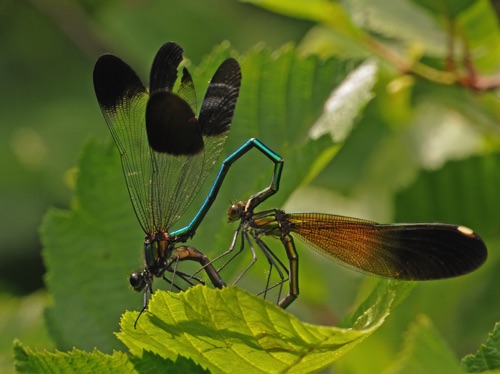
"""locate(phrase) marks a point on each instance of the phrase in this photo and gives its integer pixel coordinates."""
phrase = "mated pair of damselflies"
(167, 152)
(407, 251)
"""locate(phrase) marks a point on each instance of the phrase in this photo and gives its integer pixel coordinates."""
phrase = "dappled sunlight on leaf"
(229, 328)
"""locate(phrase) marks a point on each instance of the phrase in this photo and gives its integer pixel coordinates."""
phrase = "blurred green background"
(385, 171)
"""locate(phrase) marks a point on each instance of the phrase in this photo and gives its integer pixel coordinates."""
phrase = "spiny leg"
(231, 249)
(185, 277)
(244, 236)
(147, 289)
(293, 271)
(274, 262)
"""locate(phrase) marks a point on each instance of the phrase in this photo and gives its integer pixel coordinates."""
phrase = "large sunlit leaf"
(227, 330)
(221, 331)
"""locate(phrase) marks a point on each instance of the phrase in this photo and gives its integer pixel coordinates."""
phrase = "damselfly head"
(140, 280)
(235, 211)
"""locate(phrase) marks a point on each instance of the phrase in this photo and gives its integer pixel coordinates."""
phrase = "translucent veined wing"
(123, 99)
(175, 138)
(152, 178)
(186, 148)
(420, 251)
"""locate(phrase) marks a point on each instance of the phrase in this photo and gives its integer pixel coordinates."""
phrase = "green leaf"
(75, 361)
(447, 8)
(487, 356)
(322, 41)
(206, 330)
(153, 363)
(425, 351)
(227, 329)
(343, 105)
(346, 172)
(391, 19)
(22, 318)
(402, 291)
(321, 11)
(475, 24)
(481, 32)
(84, 253)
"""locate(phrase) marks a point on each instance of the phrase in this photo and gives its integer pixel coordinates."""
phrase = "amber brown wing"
(417, 251)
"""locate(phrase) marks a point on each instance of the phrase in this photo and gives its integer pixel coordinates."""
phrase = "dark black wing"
(171, 123)
(217, 111)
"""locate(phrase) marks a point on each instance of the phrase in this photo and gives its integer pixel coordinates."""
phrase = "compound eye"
(137, 281)
(234, 212)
